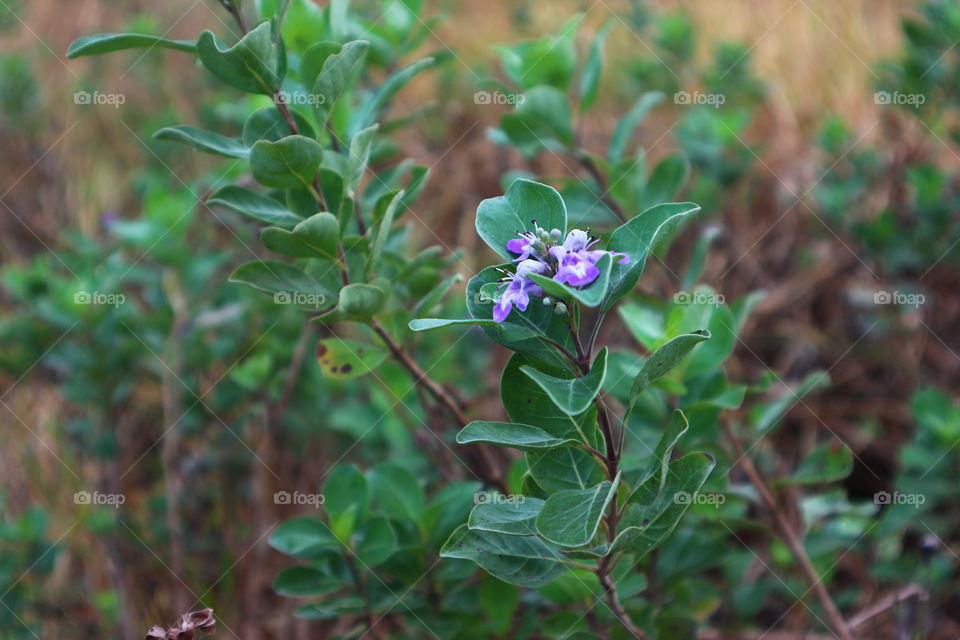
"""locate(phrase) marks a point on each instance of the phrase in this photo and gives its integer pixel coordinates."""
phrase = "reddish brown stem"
(489, 471)
(790, 537)
(610, 594)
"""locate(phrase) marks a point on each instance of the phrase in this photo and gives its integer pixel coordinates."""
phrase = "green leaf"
(345, 499)
(204, 141)
(638, 237)
(665, 181)
(629, 123)
(358, 158)
(663, 360)
(830, 462)
(448, 509)
(286, 164)
(551, 60)
(358, 302)
(659, 507)
(313, 59)
(769, 415)
(527, 403)
(573, 396)
(499, 602)
(306, 582)
(698, 258)
(331, 187)
(593, 69)
(436, 295)
(564, 468)
(269, 124)
(591, 295)
(514, 516)
(526, 561)
(499, 219)
(429, 324)
(253, 205)
(711, 355)
(526, 332)
(376, 542)
(660, 464)
(381, 233)
(570, 518)
(252, 65)
(397, 492)
(331, 608)
(371, 108)
(334, 78)
(543, 120)
(282, 281)
(107, 42)
(508, 434)
(317, 236)
(341, 359)
(303, 538)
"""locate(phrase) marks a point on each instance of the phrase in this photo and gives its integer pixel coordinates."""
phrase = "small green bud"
(548, 301)
(560, 309)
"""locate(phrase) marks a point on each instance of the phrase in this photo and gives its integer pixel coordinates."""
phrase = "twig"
(612, 463)
(790, 537)
(234, 10)
(490, 471)
(610, 593)
(887, 602)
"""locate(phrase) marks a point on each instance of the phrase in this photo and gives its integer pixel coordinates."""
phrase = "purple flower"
(522, 245)
(572, 263)
(519, 289)
(577, 240)
(576, 270)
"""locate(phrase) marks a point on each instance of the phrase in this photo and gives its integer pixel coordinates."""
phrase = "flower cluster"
(539, 251)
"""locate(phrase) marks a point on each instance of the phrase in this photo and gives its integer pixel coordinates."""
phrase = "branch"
(890, 601)
(610, 593)
(490, 471)
(790, 538)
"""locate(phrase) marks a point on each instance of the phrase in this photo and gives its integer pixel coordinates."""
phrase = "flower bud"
(548, 301)
(560, 309)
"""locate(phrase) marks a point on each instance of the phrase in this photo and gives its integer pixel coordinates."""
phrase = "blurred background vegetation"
(816, 192)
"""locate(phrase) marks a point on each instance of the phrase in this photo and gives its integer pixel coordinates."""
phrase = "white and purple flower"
(572, 263)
